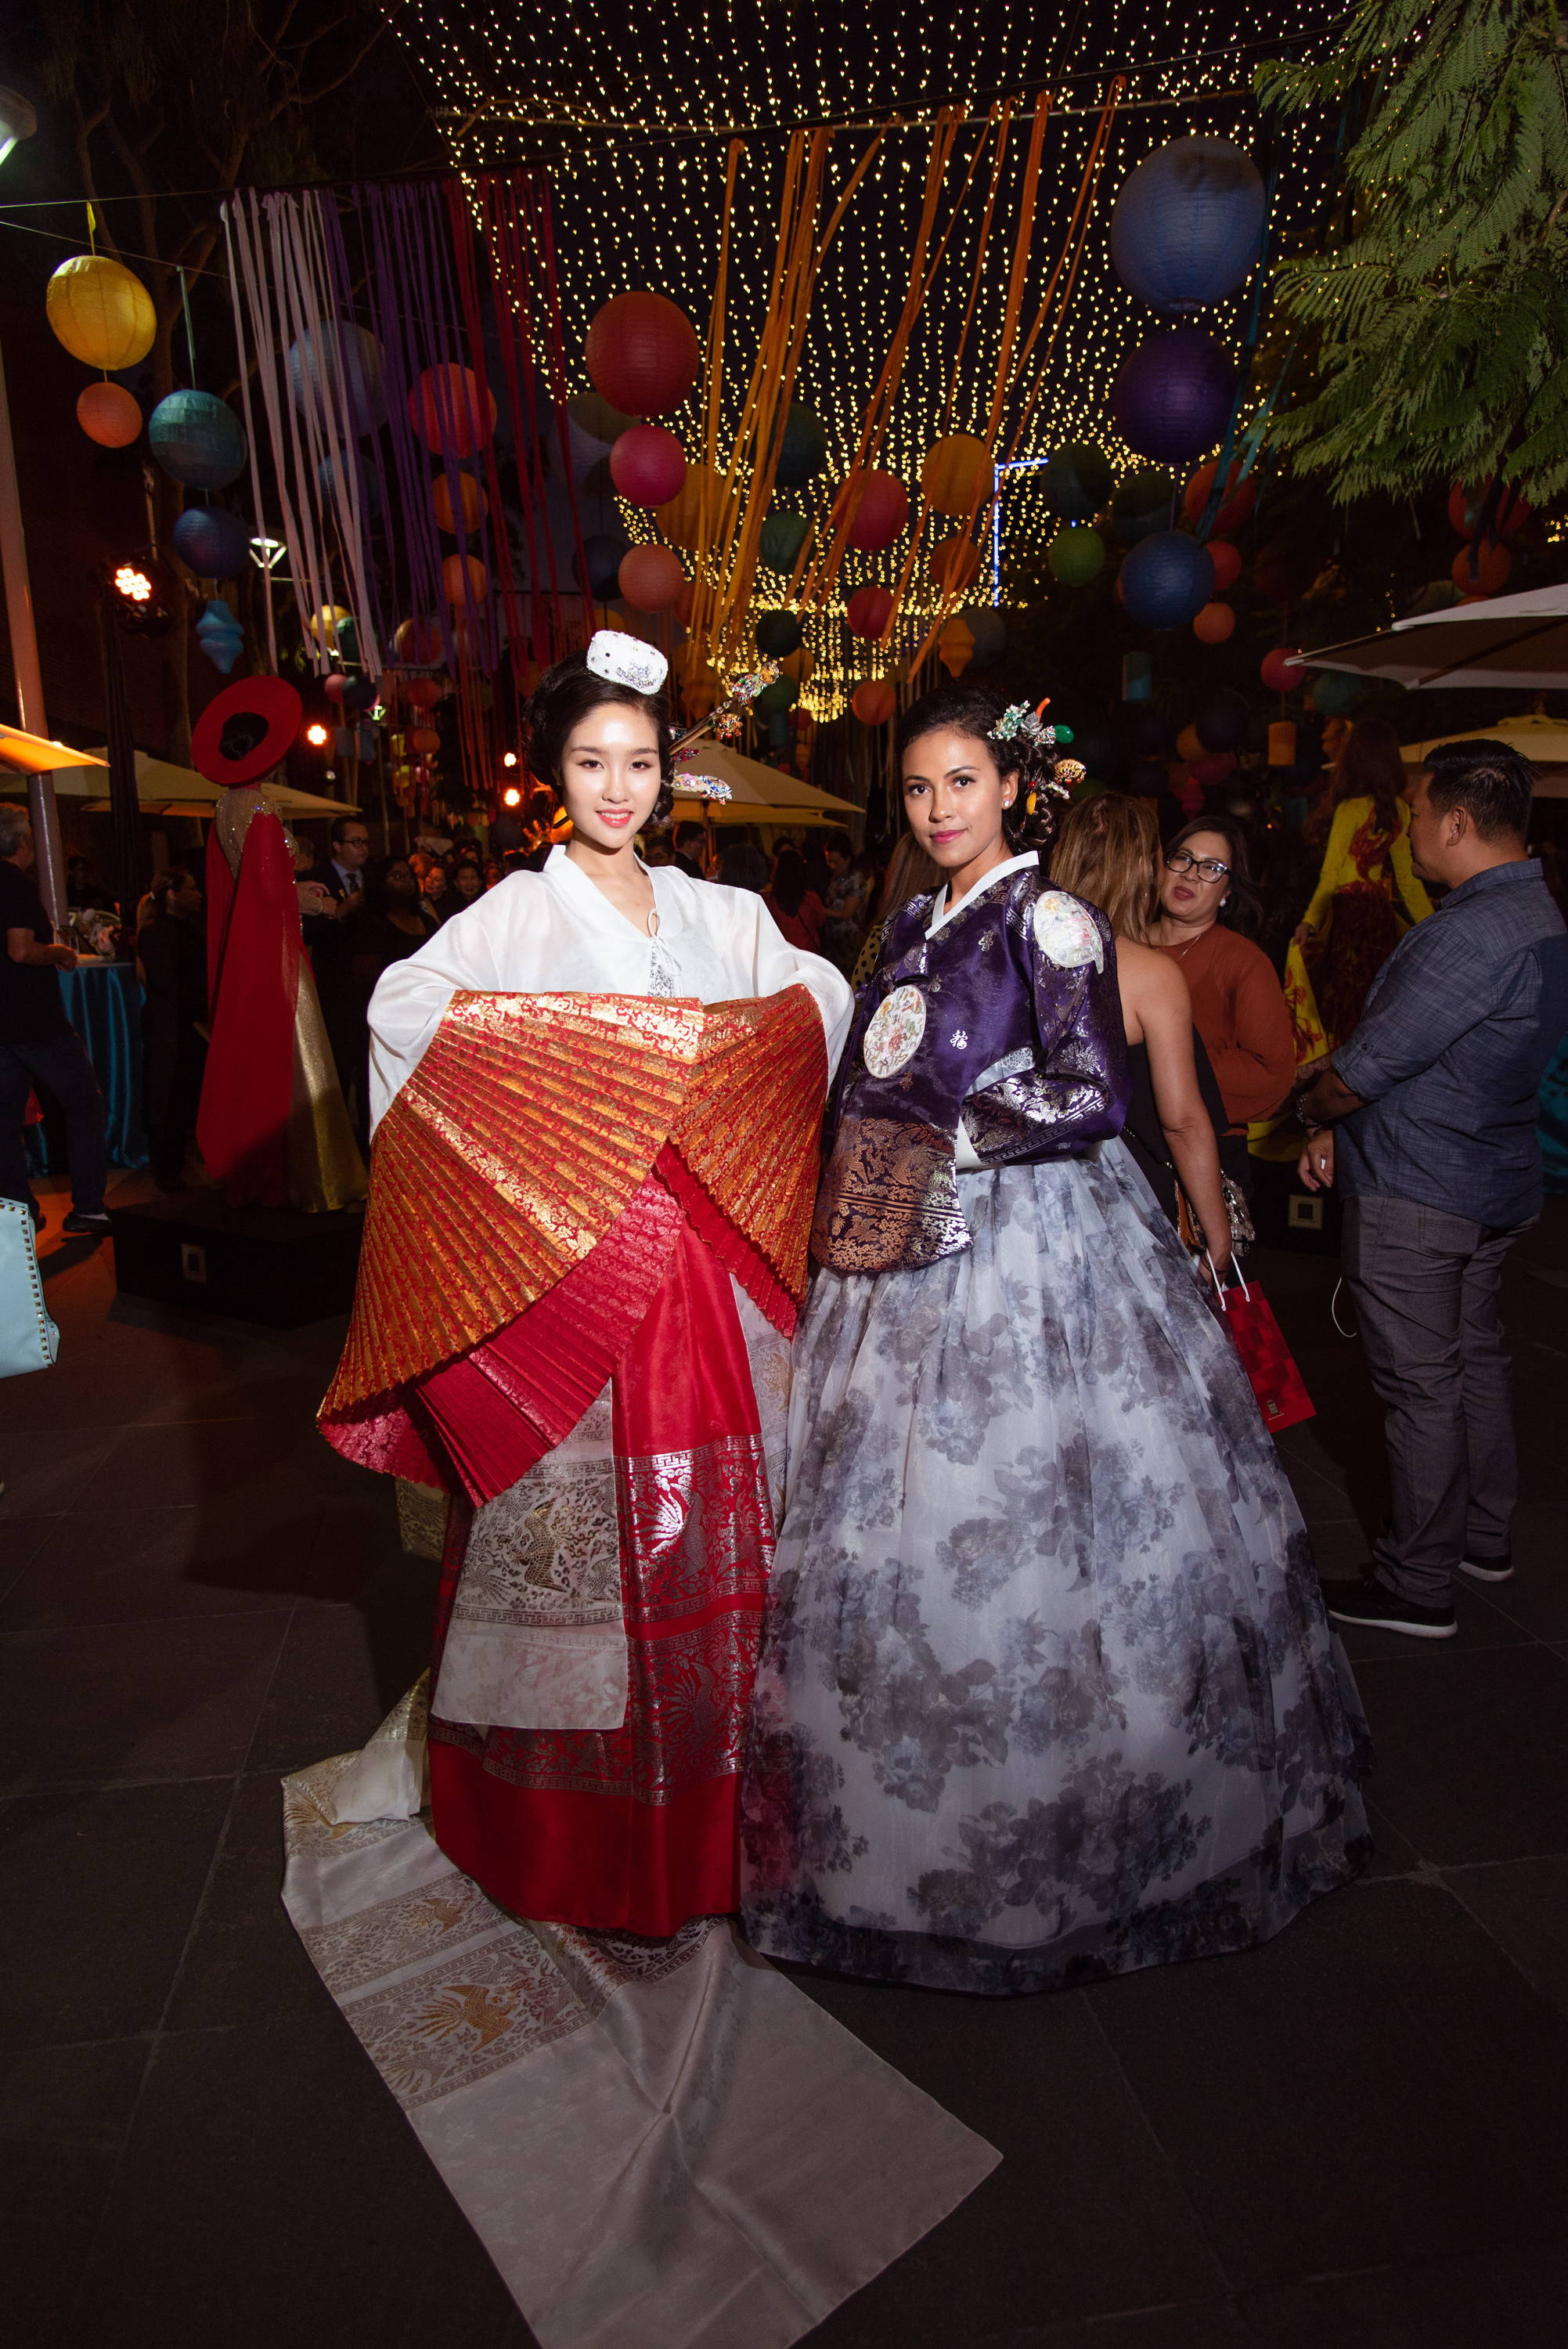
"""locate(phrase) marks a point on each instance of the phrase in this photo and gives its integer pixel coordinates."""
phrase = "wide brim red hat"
(270, 699)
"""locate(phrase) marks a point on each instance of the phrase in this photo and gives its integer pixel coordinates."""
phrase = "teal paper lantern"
(1079, 481)
(198, 439)
(219, 635)
(803, 452)
(776, 698)
(778, 635)
(783, 536)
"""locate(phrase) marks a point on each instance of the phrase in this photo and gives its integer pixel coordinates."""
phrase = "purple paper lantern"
(341, 363)
(1187, 224)
(212, 541)
(1173, 395)
(1166, 580)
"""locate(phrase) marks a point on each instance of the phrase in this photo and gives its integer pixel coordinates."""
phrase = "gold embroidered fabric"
(888, 1197)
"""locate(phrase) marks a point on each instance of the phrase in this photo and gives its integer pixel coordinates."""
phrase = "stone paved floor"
(1356, 2137)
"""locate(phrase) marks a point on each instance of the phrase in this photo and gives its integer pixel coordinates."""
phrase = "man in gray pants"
(1427, 1120)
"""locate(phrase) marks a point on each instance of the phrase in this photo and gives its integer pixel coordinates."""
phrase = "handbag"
(28, 1338)
(1249, 1321)
(1193, 1236)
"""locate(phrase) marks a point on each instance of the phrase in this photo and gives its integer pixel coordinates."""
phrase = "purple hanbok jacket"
(1007, 1015)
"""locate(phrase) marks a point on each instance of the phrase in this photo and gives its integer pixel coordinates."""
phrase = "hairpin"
(1020, 723)
(627, 660)
(701, 787)
(726, 721)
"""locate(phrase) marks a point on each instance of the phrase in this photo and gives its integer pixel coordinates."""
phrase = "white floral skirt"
(1046, 1691)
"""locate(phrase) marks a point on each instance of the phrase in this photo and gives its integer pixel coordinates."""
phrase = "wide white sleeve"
(410, 997)
(776, 965)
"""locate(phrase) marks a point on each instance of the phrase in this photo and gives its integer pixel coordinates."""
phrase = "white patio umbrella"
(1542, 741)
(1507, 641)
(758, 795)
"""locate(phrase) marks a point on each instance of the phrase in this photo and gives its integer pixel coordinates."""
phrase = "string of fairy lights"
(629, 103)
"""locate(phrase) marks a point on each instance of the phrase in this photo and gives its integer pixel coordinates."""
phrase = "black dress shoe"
(1489, 1569)
(98, 1227)
(1372, 1603)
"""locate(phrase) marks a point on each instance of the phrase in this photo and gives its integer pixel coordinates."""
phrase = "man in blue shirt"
(1432, 1105)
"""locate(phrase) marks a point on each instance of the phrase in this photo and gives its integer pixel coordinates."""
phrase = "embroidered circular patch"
(893, 1036)
(1064, 931)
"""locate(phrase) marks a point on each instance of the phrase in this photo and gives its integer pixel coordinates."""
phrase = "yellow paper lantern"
(958, 474)
(699, 515)
(102, 313)
(325, 624)
(1188, 746)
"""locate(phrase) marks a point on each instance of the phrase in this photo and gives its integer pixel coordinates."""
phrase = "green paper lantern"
(783, 536)
(778, 635)
(1075, 555)
(776, 698)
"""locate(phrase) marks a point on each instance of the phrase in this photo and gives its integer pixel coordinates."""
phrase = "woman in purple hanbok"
(1046, 1688)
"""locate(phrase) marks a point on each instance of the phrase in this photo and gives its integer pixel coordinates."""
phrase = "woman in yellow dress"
(1367, 898)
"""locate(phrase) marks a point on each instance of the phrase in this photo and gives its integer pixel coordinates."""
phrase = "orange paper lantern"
(464, 575)
(1213, 624)
(421, 692)
(875, 702)
(958, 474)
(471, 502)
(955, 564)
(1482, 568)
(418, 642)
(699, 516)
(448, 411)
(108, 414)
(650, 577)
(423, 739)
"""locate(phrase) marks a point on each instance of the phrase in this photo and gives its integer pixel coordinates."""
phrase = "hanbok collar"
(590, 903)
(942, 912)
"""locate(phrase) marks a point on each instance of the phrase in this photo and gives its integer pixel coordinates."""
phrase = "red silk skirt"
(636, 1828)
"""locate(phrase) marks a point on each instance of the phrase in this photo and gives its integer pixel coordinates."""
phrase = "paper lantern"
(1335, 693)
(212, 541)
(361, 692)
(102, 313)
(1077, 481)
(988, 629)
(601, 551)
(1235, 506)
(1172, 395)
(471, 502)
(420, 692)
(1142, 505)
(878, 505)
(341, 365)
(642, 354)
(1508, 515)
(955, 646)
(219, 635)
(1227, 562)
(1216, 767)
(958, 474)
(1482, 568)
(594, 416)
(775, 699)
(450, 413)
(341, 481)
(1282, 743)
(783, 535)
(700, 515)
(1223, 722)
(1188, 745)
(1075, 555)
(1187, 223)
(648, 465)
(333, 685)
(682, 606)
(332, 628)
(418, 643)
(778, 633)
(422, 741)
(108, 414)
(650, 577)
(955, 564)
(1166, 580)
(1213, 624)
(700, 694)
(1278, 671)
(868, 611)
(1137, 677)
(198, 439)
(464, 577)
(874, 702)
(799, 665)
(803, 451)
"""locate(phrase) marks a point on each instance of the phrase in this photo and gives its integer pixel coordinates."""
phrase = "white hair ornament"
(627, 660)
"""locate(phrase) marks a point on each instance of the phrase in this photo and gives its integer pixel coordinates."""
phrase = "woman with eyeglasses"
(1208, 909)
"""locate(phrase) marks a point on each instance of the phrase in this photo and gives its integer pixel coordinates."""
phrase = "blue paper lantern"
(1335, 693)
(1187, 224)
(601, 551)
(1173, 395)
(1079, 481)
(328, 475)
(783, 536)
(219, 635)
(342, 364)
(1143, 504)
(212, 541)
(804, 449)
(778, 635)
(198, 439)
(1166, 580)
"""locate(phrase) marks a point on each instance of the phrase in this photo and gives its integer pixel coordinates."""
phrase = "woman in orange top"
(1206, 899)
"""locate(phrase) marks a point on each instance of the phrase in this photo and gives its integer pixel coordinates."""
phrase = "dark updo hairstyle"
(971, 709)
(1242, 907)
(564, 699)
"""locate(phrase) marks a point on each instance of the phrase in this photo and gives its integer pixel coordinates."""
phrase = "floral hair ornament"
(1019, 723)
(623, 659)
(700, 787)
(726, 721)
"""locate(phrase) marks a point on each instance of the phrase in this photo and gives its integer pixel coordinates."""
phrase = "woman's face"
(1186, 893)
(610, 775)
(434, 882)
(953, 796)
(468, 881)
(401, 885)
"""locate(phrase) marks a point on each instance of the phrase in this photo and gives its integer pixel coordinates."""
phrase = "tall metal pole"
(51, 870)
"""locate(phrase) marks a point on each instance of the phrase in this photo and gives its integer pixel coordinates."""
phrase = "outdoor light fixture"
(136, 589)
(317, 736)
(266, 553)
(509, 758)
(512, 797)
(18, 120)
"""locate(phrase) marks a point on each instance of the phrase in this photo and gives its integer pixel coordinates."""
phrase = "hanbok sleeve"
(774, 965)
(410, 997)
(1073, 1089)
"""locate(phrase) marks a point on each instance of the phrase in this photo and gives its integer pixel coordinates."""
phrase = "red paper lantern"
(421, 692)
(1482, 568)
(1215, 767)
(423, 739)
(418, 643)
(642, 354)
(955, 564)
(648, 465)
(1277, 673)
(650, 577)
(108, 414)
(449, 412)
(878, 509)
(868, 612)
(472, 503)
(1239, 500)
(1227, 562)
(1213, 624)
(875, 702)
(682, 606)
(333, 685)
(1467, 504)
(464, 575)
